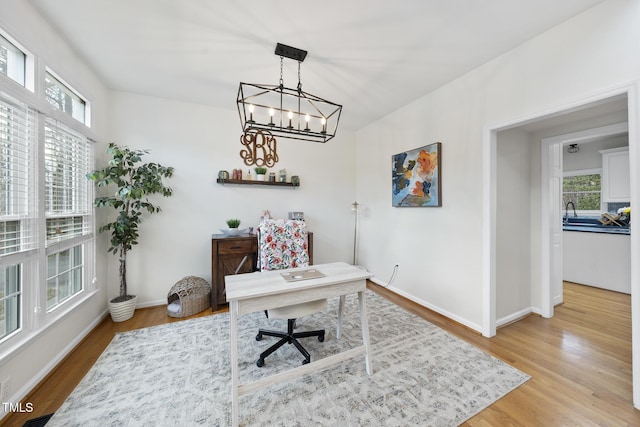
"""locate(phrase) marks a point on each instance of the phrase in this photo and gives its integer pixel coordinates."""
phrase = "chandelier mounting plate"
(290, 52)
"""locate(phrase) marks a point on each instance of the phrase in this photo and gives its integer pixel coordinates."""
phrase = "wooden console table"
(234, 255)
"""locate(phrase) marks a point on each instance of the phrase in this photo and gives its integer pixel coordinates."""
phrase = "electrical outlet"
(5, 389)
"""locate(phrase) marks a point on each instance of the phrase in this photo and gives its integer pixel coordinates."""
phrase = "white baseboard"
(514, 316)
(437, 309)
(152, 303)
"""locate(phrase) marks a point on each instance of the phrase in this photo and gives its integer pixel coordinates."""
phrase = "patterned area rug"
(179, 374)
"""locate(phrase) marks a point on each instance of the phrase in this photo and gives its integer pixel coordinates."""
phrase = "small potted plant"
(260, 173)
(233, 223)
(233, 229)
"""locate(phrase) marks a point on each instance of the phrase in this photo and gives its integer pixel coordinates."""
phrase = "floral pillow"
(283, 244)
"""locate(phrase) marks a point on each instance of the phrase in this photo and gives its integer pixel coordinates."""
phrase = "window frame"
(15, 61)
(583, 172)
(36, 319)
(86, 120)
(20, 303)
(29, 64)
(55, 246)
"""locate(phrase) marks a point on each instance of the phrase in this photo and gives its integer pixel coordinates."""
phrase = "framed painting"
(416, 177)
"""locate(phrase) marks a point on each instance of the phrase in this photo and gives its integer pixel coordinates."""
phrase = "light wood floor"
(579, 361)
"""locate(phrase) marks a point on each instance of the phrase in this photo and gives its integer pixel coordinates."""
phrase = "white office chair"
(283, 244)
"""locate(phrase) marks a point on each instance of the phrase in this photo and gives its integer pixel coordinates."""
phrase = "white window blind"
(67, 189)
(18, 212)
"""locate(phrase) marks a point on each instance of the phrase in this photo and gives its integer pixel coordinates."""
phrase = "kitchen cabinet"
(601, 260)
(615, 176)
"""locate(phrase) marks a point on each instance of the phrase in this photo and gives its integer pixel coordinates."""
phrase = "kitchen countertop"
(592, 225)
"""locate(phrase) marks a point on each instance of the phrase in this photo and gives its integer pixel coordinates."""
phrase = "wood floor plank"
(579, 361)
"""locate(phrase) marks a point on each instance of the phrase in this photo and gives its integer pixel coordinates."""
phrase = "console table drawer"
(236, 247)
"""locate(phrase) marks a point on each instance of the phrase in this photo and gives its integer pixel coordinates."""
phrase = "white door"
(551, 222)
(555, 228)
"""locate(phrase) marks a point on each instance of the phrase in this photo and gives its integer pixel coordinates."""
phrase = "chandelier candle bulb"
(290, 117)
(271, 113)
(324, 125)
(251, 108)
(307, 118)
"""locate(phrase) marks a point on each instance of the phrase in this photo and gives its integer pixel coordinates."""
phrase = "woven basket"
(192, 295)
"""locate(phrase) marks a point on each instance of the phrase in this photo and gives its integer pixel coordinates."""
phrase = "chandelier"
(286, 112)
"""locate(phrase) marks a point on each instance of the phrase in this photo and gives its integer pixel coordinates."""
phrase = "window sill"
(52, 320)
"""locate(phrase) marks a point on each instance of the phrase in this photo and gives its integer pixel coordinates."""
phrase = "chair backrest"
(282, 244)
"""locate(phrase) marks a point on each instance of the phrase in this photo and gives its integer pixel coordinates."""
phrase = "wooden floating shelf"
(255, 182)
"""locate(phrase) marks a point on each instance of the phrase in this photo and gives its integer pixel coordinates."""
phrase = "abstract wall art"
(416, 177)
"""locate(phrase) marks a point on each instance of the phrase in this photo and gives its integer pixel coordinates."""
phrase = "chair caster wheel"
(260, 363)
(321, 338)
(259, 337)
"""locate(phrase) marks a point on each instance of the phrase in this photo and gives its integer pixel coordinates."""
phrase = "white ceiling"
(371, 56)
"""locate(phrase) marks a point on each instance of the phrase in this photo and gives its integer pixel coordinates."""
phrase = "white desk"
(260, 291)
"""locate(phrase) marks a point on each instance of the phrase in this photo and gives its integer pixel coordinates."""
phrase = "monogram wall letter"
(260, 148)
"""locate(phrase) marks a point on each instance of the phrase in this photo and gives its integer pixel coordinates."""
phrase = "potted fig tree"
(134, 182)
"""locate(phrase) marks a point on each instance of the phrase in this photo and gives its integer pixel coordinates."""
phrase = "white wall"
(31, 363)
(513, 217)
(198, 141)
(440, 250)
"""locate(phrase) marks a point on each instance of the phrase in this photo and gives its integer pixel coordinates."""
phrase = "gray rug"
(178, 374)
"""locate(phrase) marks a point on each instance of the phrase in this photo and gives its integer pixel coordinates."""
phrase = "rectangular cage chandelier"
(286, 112)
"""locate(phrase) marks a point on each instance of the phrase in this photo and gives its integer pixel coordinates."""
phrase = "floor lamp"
(354, 208)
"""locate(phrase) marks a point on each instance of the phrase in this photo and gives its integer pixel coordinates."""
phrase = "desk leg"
(343, 298)
(365, 331)
(233, 341)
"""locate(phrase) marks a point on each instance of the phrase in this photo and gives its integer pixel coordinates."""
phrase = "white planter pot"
(260, 177)
(121, 311)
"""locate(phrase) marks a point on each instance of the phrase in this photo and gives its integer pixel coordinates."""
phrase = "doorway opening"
(523, 224)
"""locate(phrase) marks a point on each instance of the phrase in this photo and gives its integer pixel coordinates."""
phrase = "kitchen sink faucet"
(566, 210)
